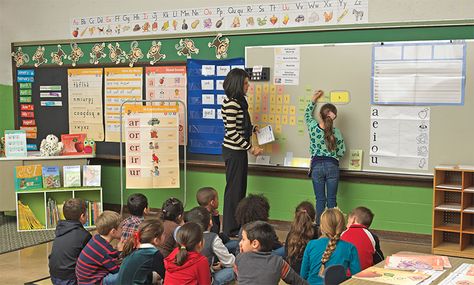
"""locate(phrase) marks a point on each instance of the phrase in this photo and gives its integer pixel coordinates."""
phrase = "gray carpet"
(11, 240)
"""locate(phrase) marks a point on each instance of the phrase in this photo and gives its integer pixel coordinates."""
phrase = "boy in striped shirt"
(97, 263)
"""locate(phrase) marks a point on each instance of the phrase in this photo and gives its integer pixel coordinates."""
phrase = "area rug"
(11, 240)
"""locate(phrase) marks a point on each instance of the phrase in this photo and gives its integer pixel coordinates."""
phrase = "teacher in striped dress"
(237, 141)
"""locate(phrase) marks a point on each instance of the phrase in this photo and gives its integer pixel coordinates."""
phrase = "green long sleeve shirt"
(317, 145)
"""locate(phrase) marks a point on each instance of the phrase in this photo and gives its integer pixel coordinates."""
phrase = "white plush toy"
(50, 146)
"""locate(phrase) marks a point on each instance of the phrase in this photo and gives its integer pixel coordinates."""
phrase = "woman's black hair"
(234, 83)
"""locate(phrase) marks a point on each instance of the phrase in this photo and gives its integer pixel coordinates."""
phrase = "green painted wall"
(6, 108)
(397, 208)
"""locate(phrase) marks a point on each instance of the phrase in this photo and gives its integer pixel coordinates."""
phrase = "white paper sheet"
(265, 135)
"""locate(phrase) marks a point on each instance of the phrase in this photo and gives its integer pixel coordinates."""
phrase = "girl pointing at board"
(326, 147)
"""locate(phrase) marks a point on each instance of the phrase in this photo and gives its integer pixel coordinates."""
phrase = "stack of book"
(26, 219)
(54, 213)
(92, 211)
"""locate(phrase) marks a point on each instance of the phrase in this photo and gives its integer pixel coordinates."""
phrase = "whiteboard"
(348, 67)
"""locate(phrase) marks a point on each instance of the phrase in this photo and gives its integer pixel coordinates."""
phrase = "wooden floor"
(31, 264)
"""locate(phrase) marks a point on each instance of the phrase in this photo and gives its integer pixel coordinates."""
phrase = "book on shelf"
(28, 177)
(51, 177)
(54, 213)
(72, 175)
(15, 143)
(92, 212)
(91, 175)
(27, 219)
(73, 144)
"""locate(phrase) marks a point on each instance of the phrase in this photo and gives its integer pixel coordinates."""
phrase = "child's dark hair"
(261, 231)
(74, 208)
(200, 216)
(205, 195)
(363, 216)
(301, 231)
(147, 231)
(136, 204)
(252, 208)
(172, 209)
(188, 237)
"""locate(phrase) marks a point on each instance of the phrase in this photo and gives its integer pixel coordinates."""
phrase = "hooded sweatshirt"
(71, 237)
(194, 271)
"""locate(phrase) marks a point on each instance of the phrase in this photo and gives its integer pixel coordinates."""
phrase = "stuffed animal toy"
(89, 146)
(50, 146)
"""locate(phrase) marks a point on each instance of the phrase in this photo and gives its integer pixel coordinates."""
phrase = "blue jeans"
(110, 279)
(223, 276)
(232, 246)
(325, 176)
(57, 281)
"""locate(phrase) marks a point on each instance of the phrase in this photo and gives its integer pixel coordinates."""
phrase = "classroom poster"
(419, 73)
(399, 137)
(152, 149)
(463, 275)
(287, 66)
(168, 83)
(121, 83)
(85, 102)
(25, 79)
(214, 19)
(15, 143)
(205, 98)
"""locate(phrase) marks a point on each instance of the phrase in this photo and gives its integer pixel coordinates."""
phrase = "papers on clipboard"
(265, 135)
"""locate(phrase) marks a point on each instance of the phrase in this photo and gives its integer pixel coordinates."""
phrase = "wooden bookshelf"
(37, 200)
(453, 211)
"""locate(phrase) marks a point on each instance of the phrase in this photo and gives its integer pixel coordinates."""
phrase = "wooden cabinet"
(453, 211)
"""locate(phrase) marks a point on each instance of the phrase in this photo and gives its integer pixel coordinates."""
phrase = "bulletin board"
(348, 67)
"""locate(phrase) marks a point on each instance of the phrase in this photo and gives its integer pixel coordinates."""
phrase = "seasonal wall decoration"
(221, 46)
(39, 56)
(57, 57)
(155, 53)
(97, 53)
(135, 53)
(20, 58)
(116, 54)
(186, 47)
(76, 54)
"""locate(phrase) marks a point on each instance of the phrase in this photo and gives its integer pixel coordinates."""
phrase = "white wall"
(40, 20)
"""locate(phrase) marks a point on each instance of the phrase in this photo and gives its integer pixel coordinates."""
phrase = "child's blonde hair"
(107, 221)
(332, 226)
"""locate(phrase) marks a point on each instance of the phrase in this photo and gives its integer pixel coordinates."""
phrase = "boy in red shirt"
(357, 233)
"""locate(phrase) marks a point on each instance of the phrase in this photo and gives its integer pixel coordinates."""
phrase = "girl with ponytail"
(185, 264)
(172, 213)
(329, 249)
(326, 147)
(301, 232)
(141, 257)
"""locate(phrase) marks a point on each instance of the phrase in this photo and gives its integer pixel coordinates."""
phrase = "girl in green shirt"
(326, 147)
